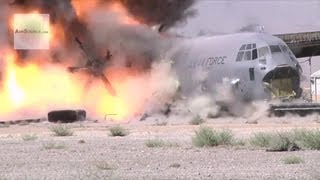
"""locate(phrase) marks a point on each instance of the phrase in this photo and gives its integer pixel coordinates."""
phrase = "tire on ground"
(66, 116)
(82, 114)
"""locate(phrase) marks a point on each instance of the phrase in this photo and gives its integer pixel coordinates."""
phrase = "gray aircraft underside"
(254, 66)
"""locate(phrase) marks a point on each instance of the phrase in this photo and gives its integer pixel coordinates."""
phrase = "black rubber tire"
(82, 114)
(66, 116)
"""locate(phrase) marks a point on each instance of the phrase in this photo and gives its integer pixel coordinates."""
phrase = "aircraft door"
(251, 74)
(251, 84)
(244, 84)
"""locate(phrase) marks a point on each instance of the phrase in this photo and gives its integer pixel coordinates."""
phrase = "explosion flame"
(34, 82)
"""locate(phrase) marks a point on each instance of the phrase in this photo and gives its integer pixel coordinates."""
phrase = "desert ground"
(91, 153)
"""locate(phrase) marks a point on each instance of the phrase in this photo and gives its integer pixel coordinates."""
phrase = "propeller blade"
(108, 85)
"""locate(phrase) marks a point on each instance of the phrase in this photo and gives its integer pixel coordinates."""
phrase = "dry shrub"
(118, 131)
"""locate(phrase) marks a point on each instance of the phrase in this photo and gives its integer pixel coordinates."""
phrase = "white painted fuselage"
(245, 61)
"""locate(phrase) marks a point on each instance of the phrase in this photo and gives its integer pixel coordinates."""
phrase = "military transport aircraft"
(256, 65)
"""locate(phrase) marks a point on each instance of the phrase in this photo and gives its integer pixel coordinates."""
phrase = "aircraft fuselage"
(254, 65)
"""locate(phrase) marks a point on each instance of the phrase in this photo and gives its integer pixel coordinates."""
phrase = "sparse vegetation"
(280, 141)
(206, 136)
(197, 120)
(4, 125)
(175, 165)
(61, 130)
(102, 165)
(54, 145)
(293, 160)
(155, 143)
(118, 131)
(159, 143)
(308, 139)
(29, 137)
(161, 123)
(283, 141)
(288, 141)
(272, 141)
(261, 139)
(239, 142)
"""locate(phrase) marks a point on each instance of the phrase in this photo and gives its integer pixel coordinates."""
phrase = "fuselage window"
(247, 56)
(240, 56)
(243, 47)
(254, 54)
(275, 49)
(263, 51)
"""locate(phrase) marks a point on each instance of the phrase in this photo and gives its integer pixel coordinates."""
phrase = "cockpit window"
(254, 54)
(254, 46)
(247, 56)
(247, 52)
(263, 51)
(275, 49)
(240, 56)
(243, 47)
(284, 48)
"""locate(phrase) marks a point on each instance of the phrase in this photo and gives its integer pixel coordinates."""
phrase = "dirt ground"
(90, 153)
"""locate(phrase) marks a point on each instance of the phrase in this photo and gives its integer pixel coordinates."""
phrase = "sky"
(277, 17)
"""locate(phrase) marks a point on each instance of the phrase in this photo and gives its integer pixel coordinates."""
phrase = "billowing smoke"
(95, 25)
(156, 12)
(167, 12)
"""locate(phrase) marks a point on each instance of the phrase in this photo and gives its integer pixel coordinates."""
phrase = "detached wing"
(304, 44)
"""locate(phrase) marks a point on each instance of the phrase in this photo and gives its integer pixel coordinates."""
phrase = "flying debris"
(94, 67)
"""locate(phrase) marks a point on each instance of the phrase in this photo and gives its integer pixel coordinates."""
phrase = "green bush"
(293, 160)
(197, 120)
(206, 136)
(118, 131)
(102, 165)
(284, 141)
(155, 143)
(279, 141)
(29, 137)
(309, 139)
(261, 139)
(61, 130)
(54, 145)
(288, 141)
(159, 143)
(239, 142)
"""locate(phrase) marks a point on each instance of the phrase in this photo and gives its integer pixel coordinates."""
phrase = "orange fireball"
(40, 86)
(83, 8)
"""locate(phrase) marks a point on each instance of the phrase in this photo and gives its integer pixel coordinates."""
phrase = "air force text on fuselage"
(208, 62)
